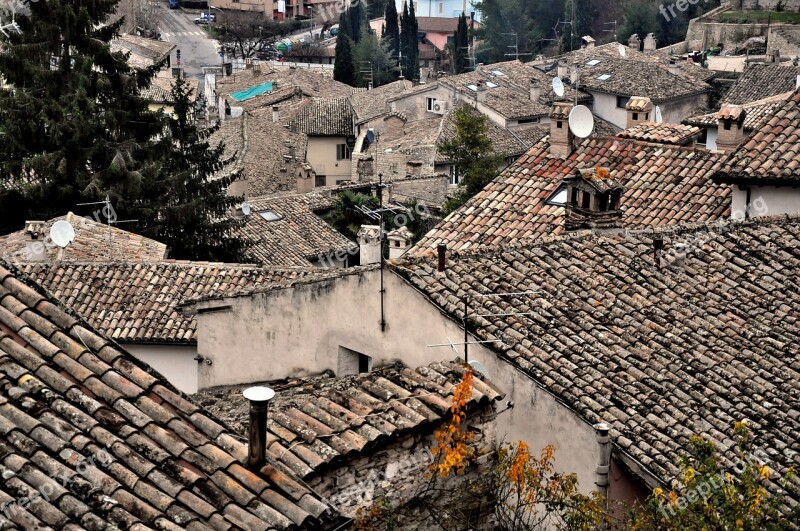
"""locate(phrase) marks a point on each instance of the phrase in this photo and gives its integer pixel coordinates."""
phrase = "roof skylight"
(269, 215)
(498, 73)
(604, 77)
(593, 62)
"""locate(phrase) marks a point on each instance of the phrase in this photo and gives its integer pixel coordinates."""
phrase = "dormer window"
(595, 198)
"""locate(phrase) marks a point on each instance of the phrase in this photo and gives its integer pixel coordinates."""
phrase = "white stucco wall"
(605, 106)
(711, 138)
(321, 154)
(765, 201)
(175, 363)
(299, 331)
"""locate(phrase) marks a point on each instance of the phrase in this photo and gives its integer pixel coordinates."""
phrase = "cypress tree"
(414, 47)
(405, 46)
(73, 125)
(194, 220)
(343, 65)
(460, 45)
(391, 36)
(356, 20)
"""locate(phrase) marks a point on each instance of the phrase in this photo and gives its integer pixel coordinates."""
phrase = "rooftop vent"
(259, 398)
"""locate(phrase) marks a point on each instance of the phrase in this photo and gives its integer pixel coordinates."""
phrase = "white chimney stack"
(536, 90)
(369, 242)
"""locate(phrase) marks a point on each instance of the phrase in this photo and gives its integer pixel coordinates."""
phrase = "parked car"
(201, 21)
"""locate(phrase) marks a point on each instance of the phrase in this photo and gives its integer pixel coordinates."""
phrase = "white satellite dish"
(62, 233)
(246, 209)
(581, 121)
(480, 368)
(622, 50)
(558, 86)
(657, 115)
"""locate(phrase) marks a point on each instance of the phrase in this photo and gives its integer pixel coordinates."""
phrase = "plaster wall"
(175, 363)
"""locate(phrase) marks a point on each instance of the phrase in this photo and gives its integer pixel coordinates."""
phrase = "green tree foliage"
(343, 69)
(707, 496)
(74, 126)
(459, 49)
(501, 19)
(372, 61)
(356, 20)
(583, 17)
(194, 218)
(471, 152)
(391, 33)
(377, 8)
(347, 216)
(409, 42)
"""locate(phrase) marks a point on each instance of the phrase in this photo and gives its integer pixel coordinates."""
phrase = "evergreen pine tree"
(356, 16)
(73, 125)
(406, 43)
(371, 52)
(194, 220)
(460, 45)
(343, 70)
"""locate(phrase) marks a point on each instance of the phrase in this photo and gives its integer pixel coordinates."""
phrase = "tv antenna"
(107, 210)
(515, 47)
(614, 22)
(10, 27)
(466, 301)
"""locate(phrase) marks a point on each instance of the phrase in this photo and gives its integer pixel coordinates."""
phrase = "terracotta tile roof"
(755, 112)
(772, 153)
(93, 242)
(629, 77)
(370, 104)
(138, 302)
(664, 184)
(160, 91)
(662, 133)
(298, 236)
(114, 445)
(639, 104)
(316, 423)
(512, 95)
(660, 353)
(759, 81)
(438, 24)
(325, 117)
(150, 49)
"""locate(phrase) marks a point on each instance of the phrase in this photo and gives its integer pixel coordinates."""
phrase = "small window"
(703, 138)
(473, 88)
(343, 152)
(319, 180)
(558, 124)
(441, 8)
(559, 197)
(491, 85)
(622, 101)
(528, 121)
(604, 77)
(430, 102)
(726, 125)
(636, 116)
(352, 362)
(269, 215)
(593, 62)
(585, 199)
(498, 73)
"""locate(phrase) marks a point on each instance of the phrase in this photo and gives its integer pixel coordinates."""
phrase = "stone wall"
(399, 471)
(767, 5)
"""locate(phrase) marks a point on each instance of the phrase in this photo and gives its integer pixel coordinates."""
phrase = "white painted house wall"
(764, 201)
(175, 362)
(300, 331)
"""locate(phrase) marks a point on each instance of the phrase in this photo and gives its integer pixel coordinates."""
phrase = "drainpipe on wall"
(604, 458)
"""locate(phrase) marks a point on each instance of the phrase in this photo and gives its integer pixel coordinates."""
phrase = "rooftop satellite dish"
(622, 50)
(62, 233)
(246, 209)
(581, 121)
(657, 115)
(480, 368)
(558, 86)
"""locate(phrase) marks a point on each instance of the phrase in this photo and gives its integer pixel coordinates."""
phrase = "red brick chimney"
(561, 137)
(730, 131)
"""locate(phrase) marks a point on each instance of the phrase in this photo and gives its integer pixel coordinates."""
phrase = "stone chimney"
(674, 67)
(634, 42)
(587, 41)
(536, 90)
(259, 398)
(480, 96)
(639, 110)
(399, 242)
(36, 249)
(560, 136)
(369, 242)
(650, 43)
(305, 178)
(562, 71)
(730, 131)
(593, 200)
(773, 56)
(276, 114)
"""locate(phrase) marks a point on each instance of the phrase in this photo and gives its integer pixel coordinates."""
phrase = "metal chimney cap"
(259, 394)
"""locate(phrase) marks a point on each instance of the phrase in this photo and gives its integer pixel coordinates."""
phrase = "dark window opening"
(585, 200)
(636, 116)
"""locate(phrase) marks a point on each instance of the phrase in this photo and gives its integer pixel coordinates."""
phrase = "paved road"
(197, 48)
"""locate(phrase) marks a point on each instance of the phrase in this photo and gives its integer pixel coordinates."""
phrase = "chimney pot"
(536, 90)
(480, 97)
(441, 250)
(259, 398)
(276, 114)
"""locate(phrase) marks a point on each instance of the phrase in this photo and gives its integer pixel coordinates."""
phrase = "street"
(196, 47)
